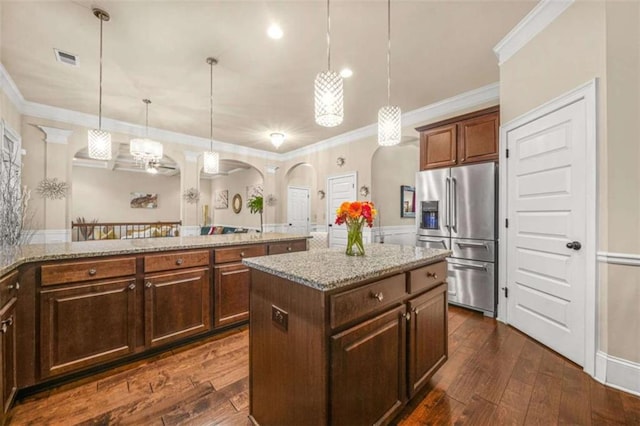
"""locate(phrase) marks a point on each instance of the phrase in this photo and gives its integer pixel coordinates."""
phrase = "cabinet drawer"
(350, 305)
(170, 261)
(427, 277)
(287, 247)
(236, 254)
(71, 272)
(8, 287)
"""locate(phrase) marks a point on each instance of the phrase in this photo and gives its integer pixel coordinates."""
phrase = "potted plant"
(256, 205)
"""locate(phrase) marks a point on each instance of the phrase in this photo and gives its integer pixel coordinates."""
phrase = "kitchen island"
(337, 339)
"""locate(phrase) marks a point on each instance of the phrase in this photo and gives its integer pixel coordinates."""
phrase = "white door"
(547, 201)
(298, 210)
(339, 189)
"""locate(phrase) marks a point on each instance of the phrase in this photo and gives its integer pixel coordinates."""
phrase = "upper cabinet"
(470, 138)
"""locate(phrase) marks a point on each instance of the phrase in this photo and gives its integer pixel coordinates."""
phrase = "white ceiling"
(157, 50)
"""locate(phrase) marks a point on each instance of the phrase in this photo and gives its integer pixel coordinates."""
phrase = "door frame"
(305, 188)
(588, 93)
(329, 215)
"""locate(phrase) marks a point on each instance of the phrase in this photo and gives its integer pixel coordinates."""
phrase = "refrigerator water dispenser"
(429, 210)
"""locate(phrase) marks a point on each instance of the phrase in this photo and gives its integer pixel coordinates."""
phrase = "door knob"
(574, 245)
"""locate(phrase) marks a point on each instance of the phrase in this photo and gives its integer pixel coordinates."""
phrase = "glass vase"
(355, 247)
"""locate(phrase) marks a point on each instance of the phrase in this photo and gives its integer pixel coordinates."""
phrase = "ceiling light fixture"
(277, 139)
(275, 32)
(99, 141)
(152, 167)
(389, 116)
(211, 159)
(328, 89)
(144, 150)
(346, 72)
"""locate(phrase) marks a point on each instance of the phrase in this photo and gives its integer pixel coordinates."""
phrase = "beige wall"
(596, 40)
(236, 183)
(105, 195)
(392, 167)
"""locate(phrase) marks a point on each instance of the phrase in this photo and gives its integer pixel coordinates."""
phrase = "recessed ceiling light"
(275, 32)
(346, 72)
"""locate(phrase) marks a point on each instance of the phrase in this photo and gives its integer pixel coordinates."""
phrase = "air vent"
(67, 58)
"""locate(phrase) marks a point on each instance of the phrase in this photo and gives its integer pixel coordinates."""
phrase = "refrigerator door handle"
(484, 246)
(446, 202)
(427, 240)
(454, 203)
(465, 266)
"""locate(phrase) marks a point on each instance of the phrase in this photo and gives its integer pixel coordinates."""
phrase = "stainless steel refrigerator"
(456, 209)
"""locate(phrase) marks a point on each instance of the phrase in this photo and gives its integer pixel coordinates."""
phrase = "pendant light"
(99, 141)
(211, 159)
(389, 116)
(328, 89)
(144, 150)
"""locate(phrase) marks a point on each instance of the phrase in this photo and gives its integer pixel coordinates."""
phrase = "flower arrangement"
(355, 214)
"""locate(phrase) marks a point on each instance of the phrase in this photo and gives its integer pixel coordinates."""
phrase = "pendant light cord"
(388, 52)
(211, 107)
(328, 36)
(100, 95)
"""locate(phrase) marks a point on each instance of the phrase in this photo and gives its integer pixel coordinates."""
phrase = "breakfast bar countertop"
(12, 257)
(329, 269)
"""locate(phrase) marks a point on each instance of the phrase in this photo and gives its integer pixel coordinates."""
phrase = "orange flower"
(355, 209)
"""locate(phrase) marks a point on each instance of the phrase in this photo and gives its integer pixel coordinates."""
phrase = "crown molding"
(466, 100)
(55, 135)
(470, 99)
(531, 25)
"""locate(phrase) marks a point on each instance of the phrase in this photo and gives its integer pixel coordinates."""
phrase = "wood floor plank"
(606, 405)
(528, 363)
(205, 410)
(544, 405)
(478, 412)
(575, 402)
(631, 406)
(512, 408)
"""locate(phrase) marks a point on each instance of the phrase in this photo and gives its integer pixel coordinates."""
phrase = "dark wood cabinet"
(86, 324)
(231, 294)
(470, 138)
(177, 305)
(427, 336)
(368, 370)
(8, 324)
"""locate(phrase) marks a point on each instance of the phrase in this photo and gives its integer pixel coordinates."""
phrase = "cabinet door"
(177, 305)
(8, 355)
(86, 324)
(368, 377)
(231, 294)
(438, 147)
(428, 347)
(478, 139)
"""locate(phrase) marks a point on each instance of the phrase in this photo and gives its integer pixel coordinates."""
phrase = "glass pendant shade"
(389, 125)
(99, 144)
(277, 139)
(145, 151)
(329, 99)
(211, 162)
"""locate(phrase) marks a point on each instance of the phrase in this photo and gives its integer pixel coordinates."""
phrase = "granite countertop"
(329, 269)
(13, 257)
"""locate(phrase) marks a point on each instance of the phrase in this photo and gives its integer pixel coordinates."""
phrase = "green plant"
(256, 205)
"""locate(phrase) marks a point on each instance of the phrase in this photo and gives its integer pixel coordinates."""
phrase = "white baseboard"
(401, 234)
(49, 236)
(618, 373)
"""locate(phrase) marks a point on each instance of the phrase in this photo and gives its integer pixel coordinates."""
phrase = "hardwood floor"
(494, 376)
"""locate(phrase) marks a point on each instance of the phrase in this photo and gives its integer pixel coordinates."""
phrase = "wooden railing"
(85, 231)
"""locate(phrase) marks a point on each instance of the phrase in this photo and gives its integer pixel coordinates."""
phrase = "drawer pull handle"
(92, 271)
(407, 316)
(289, 248)
(378, 296)
(241, 254)
(131, 286)
(179, 261)
(6, 324)
(432, 275)
(415, 311)
(16, 286)
(148, 284)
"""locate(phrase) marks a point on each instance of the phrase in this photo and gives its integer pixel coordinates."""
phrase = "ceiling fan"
(154, 166)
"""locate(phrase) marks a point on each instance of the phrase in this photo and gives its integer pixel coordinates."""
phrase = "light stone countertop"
(328, 269)
(11, 258)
